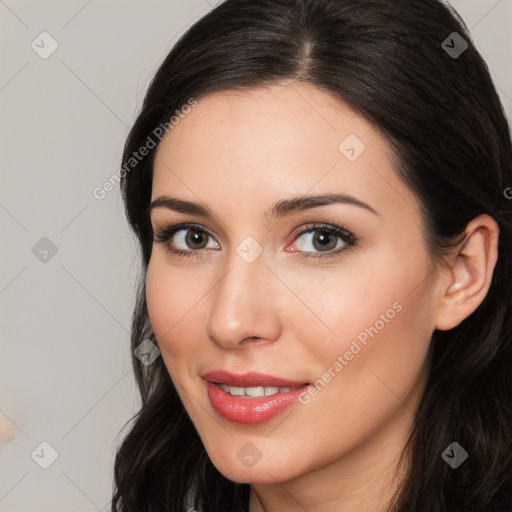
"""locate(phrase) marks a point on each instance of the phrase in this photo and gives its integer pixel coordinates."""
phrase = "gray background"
(64, 354)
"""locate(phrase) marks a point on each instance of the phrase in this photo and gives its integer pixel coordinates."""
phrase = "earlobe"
(469, 274)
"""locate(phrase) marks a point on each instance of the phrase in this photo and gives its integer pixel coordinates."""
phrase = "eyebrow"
(281, 208)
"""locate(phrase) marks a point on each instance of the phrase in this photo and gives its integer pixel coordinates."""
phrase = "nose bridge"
(242, 305)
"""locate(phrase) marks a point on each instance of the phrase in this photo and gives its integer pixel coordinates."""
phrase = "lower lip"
(250, 411)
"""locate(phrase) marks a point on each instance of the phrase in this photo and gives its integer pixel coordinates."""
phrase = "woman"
(321, 192)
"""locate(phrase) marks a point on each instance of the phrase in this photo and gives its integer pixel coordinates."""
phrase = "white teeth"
(236, 391)
(255, 391)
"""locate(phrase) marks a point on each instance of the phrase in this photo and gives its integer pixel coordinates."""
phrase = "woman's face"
(267, 285)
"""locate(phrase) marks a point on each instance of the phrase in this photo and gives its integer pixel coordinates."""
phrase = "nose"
(244, 307)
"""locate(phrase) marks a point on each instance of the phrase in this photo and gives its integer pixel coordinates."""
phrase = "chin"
(260, 472)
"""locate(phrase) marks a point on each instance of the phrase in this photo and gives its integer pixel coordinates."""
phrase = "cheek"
(374, 316)
(174, 299)
(374, 364)
(374, 290)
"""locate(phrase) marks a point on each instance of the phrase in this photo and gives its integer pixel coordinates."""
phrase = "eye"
(186, 240)
(316, 241)
(322, 240)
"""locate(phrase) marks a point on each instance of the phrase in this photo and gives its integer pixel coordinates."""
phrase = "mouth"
(251, 398)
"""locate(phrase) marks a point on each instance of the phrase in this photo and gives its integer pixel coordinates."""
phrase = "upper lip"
(250, 379)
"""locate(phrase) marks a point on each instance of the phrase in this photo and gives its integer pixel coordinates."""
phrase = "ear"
(467, 278)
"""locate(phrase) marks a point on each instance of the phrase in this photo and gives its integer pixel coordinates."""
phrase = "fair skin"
(238, 153)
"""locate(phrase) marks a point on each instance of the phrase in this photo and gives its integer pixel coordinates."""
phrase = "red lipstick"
(251, 410)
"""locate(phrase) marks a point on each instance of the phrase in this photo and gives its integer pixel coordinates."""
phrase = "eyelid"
(173, 228)
(323, 226)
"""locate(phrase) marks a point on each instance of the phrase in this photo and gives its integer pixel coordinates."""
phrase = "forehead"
(263, 122)
(257, 146)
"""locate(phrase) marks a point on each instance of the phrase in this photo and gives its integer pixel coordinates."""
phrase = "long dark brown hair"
(450, 138)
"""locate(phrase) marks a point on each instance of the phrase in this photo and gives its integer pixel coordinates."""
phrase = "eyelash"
(165, 234)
